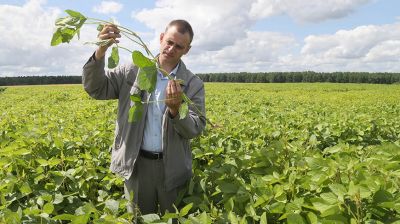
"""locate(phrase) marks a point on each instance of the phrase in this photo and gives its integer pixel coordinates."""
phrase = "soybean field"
(282, 153)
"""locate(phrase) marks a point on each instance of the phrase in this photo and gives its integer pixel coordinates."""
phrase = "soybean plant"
(68, 27)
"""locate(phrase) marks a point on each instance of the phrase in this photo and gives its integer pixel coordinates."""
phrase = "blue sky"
(230, 36)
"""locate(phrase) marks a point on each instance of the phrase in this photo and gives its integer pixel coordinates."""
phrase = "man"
(152, 154)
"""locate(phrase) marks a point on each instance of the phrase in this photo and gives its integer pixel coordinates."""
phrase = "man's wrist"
(99, 54)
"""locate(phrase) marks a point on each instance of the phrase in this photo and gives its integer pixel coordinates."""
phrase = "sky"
(229, 36)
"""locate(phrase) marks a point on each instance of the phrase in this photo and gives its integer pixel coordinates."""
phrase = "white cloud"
(305, 11)
(386, 51)
(364, 48)
(27, 50)
(257, 51)
(216, 23)
(108, 7)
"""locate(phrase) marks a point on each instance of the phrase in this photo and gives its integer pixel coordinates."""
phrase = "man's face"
(173, 45)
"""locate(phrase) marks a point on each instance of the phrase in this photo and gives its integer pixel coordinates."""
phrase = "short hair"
(182, 26)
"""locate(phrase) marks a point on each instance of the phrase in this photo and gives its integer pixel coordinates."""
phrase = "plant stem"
(131, 39)
(126, 32)
(156, 101)
(124, 48)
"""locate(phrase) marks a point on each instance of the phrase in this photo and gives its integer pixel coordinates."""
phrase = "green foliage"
(140, 60)
(136, 110)
(113, 60)
(286, 153)
(147, 75)
(67, 27)
(183, 110)
(54, 156)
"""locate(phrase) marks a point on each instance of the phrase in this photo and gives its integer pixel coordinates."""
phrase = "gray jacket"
(119, 83)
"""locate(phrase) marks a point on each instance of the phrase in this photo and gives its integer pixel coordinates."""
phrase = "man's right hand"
(108, 31)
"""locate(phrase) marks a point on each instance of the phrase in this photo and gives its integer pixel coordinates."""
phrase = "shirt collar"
(172, 73)
(175, 70)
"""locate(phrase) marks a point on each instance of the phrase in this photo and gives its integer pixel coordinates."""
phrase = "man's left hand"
(173, 98)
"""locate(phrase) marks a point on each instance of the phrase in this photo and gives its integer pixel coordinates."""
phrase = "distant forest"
(39, 80)
(242, 77)
(308, 76)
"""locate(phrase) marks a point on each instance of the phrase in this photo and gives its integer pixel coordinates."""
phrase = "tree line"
(241, 77)
(39, 80)
(308, 76)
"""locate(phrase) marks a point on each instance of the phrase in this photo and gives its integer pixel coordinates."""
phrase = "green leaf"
(203, 218)
(100, 27)
(81, 219)
(337, 219)
(226, 187)
(353, 189)
(295, 219)
(141, 61)
(292, 207)
(333, 149)
(229, 204)
(313, 140)
(324, 207)
(67, 21)
(243, 220)
(135, 112)
(54, 162)
(68, 27)
(42, 162)
(277, 207)
(102, 194)
(312, 218)
(261, 200)
(67, 34)
(185, 210)
(170, 216)
(147, 78)
(40, 201)
(8, 216)
(112, 205)
(149, 218)
(382, 196)
(65, 217)
(113, 60)
(183, 110)
(263, 218)
(330, 198)
(25, 188)
(191, 187)
(232, 218)
(48, 208)
(250, 210)
(136, 98)
(315, 163)
(75, 14)
(58, 198)
(339, 190)
(57, 38)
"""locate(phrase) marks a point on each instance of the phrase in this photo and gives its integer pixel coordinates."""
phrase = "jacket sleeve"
(194, 123)
(101, 84)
